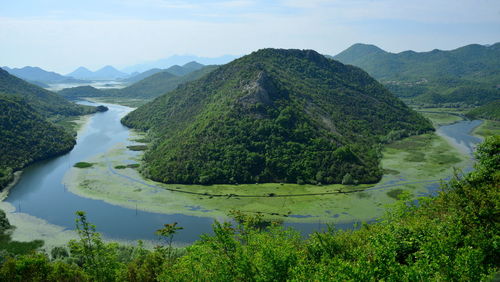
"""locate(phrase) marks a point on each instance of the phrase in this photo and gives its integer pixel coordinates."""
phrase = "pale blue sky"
(61, 35)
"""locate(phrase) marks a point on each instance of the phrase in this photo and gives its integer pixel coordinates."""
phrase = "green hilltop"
(274, 116)
(467, 75)
(80, 91)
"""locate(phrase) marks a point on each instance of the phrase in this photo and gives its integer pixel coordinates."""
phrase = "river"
(40, 191)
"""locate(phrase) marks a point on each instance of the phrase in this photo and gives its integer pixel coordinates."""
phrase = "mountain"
(108, 72)
(140, 76)
(157, 84)
(45, 102)
(105, 73)
(38, 75)
(185, 69)
(428, 77)
(81, 72)
(273, 116)
(179, 60)
(80, 91)
(489, 111)
(175, 70)
(26, 137)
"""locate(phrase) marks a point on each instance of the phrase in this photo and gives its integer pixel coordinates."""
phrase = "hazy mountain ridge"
(104, 73)
(157, 84)
(325, 117)
(179, 60)
(40, 76)
(45, 102)
(435, 76)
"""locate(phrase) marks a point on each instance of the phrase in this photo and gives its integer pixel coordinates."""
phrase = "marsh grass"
(83, 165)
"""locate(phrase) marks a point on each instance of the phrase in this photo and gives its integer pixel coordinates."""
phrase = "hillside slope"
(489, 111)
(433, 77)
(157, 84)
(274, 116)
(80, 91)
(45, 102)
(26, 137)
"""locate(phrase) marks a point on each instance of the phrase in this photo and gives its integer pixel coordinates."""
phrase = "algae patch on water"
(113, 181)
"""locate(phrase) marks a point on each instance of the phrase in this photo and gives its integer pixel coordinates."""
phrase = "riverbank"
(5, 191)
(411, 165)
(487, 128)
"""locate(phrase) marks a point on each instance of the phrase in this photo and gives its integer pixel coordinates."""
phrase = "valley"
(415, 165)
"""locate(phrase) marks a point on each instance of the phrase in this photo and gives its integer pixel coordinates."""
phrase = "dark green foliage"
(127, 166)
(395, 193)
(27, 137)
(137, 147)
(489, 111)
(157, 84)
(45, 102)
(4, 222)
(101, 108)
(83, 165)
(273, 116)
(451, 237)
(469, 74)
(80, 92)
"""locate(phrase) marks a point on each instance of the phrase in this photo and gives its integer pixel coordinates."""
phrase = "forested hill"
(274, 116)
(80, 91)
(45, 102)
(157, 84)
(26, 137)
(489, 111)
(436, 76)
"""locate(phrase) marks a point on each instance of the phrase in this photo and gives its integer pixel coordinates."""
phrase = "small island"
(101, 108)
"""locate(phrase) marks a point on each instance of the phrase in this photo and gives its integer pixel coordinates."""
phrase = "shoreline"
(5, 191)
(127, 188)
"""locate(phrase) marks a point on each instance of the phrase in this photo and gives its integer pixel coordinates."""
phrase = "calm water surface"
(40, 191)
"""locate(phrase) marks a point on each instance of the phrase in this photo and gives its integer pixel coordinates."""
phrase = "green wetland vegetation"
(452, 236)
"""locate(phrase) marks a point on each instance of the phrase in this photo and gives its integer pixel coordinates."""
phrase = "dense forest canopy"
(274, 116)
(27, 137)
(80, 91)
(469, 75)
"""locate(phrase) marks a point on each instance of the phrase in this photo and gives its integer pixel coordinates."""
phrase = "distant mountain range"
(179, 60)
(175, 70)
(470, 74)
(158, 84)
(105, 73)
(146, 85)
(40, 76)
